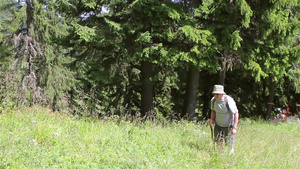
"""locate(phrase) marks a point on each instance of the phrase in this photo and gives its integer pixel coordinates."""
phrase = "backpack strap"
(225, 99)
(227, 105)
(226, 102)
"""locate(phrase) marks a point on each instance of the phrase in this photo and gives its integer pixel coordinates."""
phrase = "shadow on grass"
(200, 145)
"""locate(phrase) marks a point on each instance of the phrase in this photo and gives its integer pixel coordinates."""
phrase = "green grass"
(35, 138)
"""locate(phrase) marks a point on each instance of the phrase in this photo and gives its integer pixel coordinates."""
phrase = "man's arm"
(236, 119)
(212, 117)
(235, 123)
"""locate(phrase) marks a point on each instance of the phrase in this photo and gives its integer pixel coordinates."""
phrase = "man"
(225, 114)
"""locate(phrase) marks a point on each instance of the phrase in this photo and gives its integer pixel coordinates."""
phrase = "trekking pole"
(212, 133)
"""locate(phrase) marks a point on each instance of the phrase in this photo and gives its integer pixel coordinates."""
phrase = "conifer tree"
(129, 35)
(35, 72)
(150, 26)
(191, 49)
(215, 26)
(226, 19)
(94, 41)
(272, 46)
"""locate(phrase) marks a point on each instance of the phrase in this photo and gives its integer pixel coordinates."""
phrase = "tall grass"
(36, 138)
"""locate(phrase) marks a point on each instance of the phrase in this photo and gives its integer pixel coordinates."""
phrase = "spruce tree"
(272, 46)
(127, 35)
(226, 20)
(35, 72)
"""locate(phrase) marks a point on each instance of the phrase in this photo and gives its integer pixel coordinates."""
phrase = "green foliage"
(33, 69)
(272, 47)
(144, 38)
(112, 24)
(172, 11)
(85, 56)
(235, 40)
(7, 106)
(85, 33)
(294, 76)
(246, 11)
(257, 72)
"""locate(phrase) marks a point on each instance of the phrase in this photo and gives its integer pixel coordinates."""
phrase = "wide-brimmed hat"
(218, 89)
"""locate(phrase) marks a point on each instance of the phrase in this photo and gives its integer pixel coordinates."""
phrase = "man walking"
(225, 115)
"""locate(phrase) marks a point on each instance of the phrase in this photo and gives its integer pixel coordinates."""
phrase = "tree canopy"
(150, 58)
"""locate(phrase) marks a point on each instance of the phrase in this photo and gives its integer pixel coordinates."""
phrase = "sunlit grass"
(36, 138)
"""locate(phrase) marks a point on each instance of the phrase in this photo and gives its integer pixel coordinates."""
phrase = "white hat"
(218, 89)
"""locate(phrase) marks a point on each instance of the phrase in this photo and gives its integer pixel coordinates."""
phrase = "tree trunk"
(222, 72)
(117, 102)
(128, 94)
(190, 101)
(29, 13)
(258, 100)
(30, 79)
(206, 104)
(147, 88)
(205, 85)
(270, 103)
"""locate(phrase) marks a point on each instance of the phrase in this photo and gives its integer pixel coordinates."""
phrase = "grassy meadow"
(36, 138)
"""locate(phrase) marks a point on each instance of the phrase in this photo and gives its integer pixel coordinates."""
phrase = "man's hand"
(233, 130)
(210, 121)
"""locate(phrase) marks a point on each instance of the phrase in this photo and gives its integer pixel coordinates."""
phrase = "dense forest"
(150, 58)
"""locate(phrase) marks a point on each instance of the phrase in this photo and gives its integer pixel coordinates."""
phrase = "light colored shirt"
(224, 111)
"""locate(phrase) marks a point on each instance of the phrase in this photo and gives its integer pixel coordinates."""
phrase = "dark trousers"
(224, 134)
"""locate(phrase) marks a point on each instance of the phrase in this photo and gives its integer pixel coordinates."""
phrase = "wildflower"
(55, 134)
